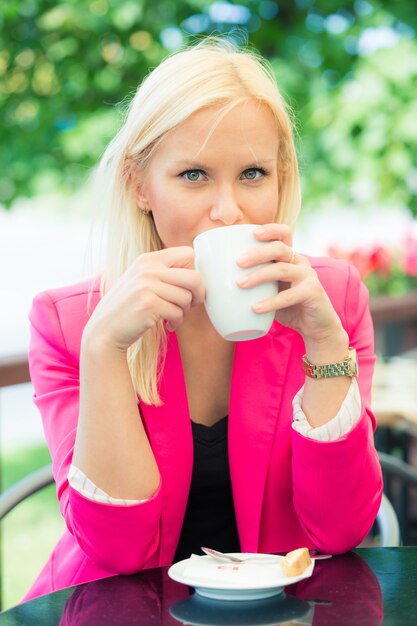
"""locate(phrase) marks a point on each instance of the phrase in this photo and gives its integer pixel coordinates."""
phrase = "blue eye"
(194, 176)
(253, 173)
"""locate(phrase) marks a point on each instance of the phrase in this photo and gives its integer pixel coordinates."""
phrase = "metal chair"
(399, 478)
(30, 484)
(22, 489)
(387, 524)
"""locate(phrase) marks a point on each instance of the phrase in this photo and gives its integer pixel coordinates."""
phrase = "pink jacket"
(289, 491)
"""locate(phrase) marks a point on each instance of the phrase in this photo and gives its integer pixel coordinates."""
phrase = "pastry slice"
(296, 562)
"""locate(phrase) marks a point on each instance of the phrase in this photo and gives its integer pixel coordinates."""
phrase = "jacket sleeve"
(118, 539)
(338, 484)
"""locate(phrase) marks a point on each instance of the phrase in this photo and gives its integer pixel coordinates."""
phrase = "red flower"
(381, 261)
(366, 260)
(409, 261)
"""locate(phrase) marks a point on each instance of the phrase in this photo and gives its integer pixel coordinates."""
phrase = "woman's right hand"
(160, 285)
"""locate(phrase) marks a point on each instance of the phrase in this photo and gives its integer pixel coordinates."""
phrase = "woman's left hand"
(301, 303)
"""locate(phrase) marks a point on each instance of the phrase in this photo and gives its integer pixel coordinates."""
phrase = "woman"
(165, 437)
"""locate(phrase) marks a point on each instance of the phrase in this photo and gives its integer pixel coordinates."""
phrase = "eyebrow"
(194, 165)
(191, 165)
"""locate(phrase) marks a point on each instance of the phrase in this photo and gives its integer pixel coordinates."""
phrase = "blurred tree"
(349, 70)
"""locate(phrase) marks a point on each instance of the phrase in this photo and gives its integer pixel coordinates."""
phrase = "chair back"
(400, 486)
(30, 484)
(22, 489)
(387, 524)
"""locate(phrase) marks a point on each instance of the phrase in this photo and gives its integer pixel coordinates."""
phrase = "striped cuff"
(338, 426)
(79, 481)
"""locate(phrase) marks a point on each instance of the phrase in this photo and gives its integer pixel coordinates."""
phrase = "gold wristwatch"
(348, 367)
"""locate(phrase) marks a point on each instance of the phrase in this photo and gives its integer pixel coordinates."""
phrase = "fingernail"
(259, 231)
(242, 281)
(243, 259)
(258, 307)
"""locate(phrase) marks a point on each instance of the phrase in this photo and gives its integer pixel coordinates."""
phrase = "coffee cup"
(229, 306)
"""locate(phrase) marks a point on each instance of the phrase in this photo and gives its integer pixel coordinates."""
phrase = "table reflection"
(141, 599)
(342, 590)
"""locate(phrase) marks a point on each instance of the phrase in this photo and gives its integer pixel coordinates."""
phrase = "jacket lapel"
(259, 375)
(169, 431)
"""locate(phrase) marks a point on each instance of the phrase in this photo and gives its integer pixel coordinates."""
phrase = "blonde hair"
(213, 72)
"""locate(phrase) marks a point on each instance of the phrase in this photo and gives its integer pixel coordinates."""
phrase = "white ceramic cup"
(229, 306)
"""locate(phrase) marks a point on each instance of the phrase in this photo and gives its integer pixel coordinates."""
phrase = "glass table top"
(369, 587)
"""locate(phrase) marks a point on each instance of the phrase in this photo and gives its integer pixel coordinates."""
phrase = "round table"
(369, 587)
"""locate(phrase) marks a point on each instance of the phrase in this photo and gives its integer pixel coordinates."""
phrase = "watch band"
(348, 367)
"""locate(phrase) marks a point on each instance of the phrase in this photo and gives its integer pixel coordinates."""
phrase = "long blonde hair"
(213, 72)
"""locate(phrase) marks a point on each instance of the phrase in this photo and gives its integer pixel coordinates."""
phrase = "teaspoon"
(228, 558)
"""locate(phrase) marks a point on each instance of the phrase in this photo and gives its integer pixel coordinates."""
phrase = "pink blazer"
(288, 491)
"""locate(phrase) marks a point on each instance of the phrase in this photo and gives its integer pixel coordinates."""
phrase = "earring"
(144, 211)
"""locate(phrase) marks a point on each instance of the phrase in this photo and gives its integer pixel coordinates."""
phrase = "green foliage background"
(65, 65)
(348, 69)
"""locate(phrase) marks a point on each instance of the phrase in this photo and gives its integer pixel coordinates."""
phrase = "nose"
(225, 207)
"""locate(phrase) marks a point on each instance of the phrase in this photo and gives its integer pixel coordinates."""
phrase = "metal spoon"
(227, 558)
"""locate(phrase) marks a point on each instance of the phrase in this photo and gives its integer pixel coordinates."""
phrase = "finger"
(283, 300)
(280, 232)
(173, 317)
(178, 256)
(278, 272)
(172, 294)
(167, 311)
(187, 279)
(272, 251)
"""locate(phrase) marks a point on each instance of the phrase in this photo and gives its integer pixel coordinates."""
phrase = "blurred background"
(349, 72)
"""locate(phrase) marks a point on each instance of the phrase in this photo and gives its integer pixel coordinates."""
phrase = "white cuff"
(79, 481)
(338, 426)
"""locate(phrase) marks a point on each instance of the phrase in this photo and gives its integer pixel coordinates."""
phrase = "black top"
(210, 515)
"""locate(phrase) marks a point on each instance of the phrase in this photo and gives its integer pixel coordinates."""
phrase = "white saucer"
(232, 591)
(281, 609)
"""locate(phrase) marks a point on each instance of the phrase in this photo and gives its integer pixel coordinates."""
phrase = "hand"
(302, 303)
(160, 285)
